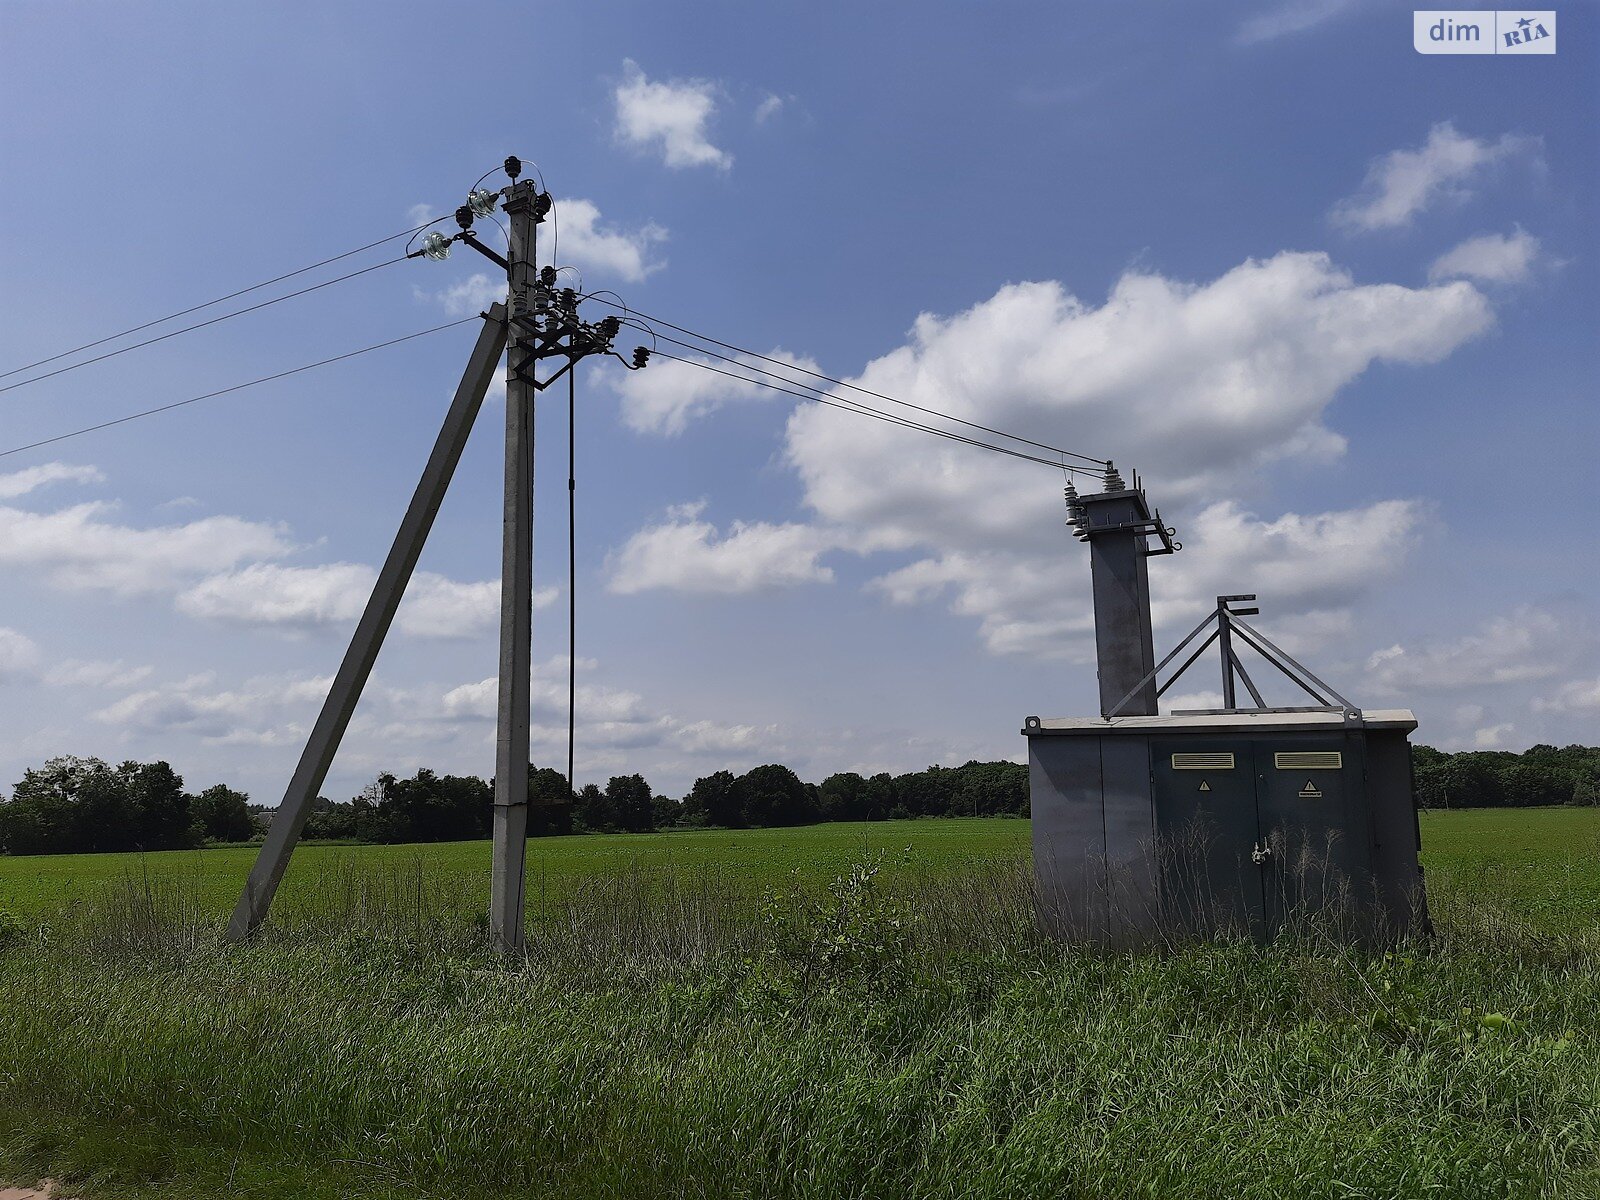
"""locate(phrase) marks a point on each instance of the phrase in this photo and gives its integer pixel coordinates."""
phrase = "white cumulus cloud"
(1493, 258)
(1199, 385)
(588, 243)
(18, 654)
(1527, 645)
(1579, 695)
(79, 548)
(332, 595)
(1492, 737)
(686, 554)
(670, 117)
(1403, 183)
(263, 711)
(20, 483)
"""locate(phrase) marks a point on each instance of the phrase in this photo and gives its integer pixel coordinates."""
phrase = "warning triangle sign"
(1311, 791)
(1204, 786)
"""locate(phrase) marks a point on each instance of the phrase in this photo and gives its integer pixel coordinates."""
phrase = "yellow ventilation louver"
(1308, 760)
(1202, 762)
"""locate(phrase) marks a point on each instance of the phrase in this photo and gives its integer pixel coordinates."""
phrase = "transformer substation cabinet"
(1218, 822)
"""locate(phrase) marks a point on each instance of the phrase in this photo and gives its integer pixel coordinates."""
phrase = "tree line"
(1540, 775)
(429, 807)
(82, 805)
(76, 805)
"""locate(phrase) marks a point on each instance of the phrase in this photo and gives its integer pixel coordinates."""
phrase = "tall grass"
(897, 1033)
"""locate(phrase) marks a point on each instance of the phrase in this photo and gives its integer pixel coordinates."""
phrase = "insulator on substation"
(513, 167)
(1075, 511)
(1113, 479)
(610, 327)
(569, 300)
(464, 216)
(547, 276)
(641, 355)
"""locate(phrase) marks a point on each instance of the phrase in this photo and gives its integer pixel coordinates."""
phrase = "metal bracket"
(1228, 624)
(469, 238)
(1153, 526)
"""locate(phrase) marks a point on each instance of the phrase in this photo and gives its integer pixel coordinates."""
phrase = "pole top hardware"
(1082, 511)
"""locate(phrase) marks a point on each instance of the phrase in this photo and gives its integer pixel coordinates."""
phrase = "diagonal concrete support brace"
(370, 630)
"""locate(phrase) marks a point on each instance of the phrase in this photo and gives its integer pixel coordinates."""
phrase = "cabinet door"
(1206, 827)
(1314, 821)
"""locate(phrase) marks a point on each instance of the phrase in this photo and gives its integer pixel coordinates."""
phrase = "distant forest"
(75, 805)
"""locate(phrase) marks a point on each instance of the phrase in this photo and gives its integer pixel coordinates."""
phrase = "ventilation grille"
(1202, 762)
(1308, 760)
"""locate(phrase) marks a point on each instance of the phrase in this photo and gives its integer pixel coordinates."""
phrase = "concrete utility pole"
(516, 581)
(370, 630)
(538, 324)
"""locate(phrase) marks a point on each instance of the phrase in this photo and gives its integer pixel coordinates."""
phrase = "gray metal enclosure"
(1224, 823)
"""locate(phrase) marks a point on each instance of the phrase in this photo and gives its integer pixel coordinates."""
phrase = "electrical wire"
(183, 312)
(199, 325)
(845, 400)
(572, 572)
(150, 412)
(1057, 450)
(860, 409)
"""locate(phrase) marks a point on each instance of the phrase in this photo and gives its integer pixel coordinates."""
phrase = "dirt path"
(43, 1192)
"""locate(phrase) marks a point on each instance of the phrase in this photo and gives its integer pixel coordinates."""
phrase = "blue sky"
(1334, 299)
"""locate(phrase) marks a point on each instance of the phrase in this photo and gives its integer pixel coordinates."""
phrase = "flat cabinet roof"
(1223, 723)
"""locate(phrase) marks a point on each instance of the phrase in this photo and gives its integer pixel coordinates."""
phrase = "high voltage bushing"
(1074, 506)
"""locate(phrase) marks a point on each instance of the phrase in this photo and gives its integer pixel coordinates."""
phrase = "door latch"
(1260, 854)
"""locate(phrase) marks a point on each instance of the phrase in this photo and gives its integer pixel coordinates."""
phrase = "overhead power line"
(238, 387)
(199, 325)
(183, 312)
(1098, 462)
(812, 392)
(854, 406)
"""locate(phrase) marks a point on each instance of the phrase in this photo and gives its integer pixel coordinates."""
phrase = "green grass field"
(556, 866)
(845, 1010)
(1542, 861)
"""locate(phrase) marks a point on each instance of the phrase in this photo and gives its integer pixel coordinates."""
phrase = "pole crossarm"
(374, 624)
